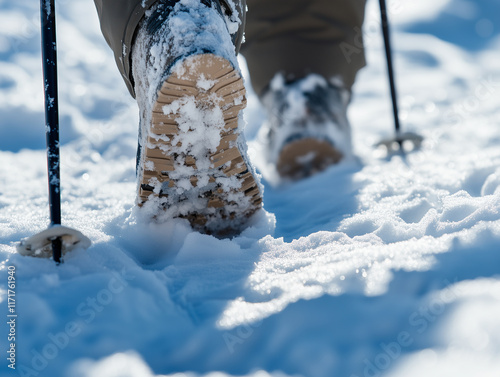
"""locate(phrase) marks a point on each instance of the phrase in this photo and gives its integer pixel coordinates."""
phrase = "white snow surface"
(381, 266)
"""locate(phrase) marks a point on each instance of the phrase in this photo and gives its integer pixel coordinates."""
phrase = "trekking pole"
(56, 237)
(399, 137)
(49, 60)
(390, 69)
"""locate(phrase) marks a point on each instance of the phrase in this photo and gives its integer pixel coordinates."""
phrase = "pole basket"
(401, 142)
(41, 245)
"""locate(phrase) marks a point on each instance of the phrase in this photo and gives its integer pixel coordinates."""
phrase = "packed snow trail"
(381, 266)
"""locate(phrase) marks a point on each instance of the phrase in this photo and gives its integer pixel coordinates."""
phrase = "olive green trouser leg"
(119, 20)
(297, 37)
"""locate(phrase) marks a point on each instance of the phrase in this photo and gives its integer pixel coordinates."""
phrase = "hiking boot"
(307, 128)
(192, 159)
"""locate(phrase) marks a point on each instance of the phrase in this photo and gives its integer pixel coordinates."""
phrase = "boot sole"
(213, 83)
(305, 157)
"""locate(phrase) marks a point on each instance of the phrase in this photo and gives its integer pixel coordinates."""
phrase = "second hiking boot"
(307, 128)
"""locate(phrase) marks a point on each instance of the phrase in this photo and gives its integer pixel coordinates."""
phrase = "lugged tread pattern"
(227, 160)
(305, 157)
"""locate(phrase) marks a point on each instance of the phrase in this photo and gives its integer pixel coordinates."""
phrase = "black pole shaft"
(49, 62)
(390, 69)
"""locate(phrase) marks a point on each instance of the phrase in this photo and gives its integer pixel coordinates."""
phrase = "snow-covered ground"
(385, 266)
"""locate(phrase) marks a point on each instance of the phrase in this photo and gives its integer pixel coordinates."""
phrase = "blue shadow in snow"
(318, 203)
(471, 25)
